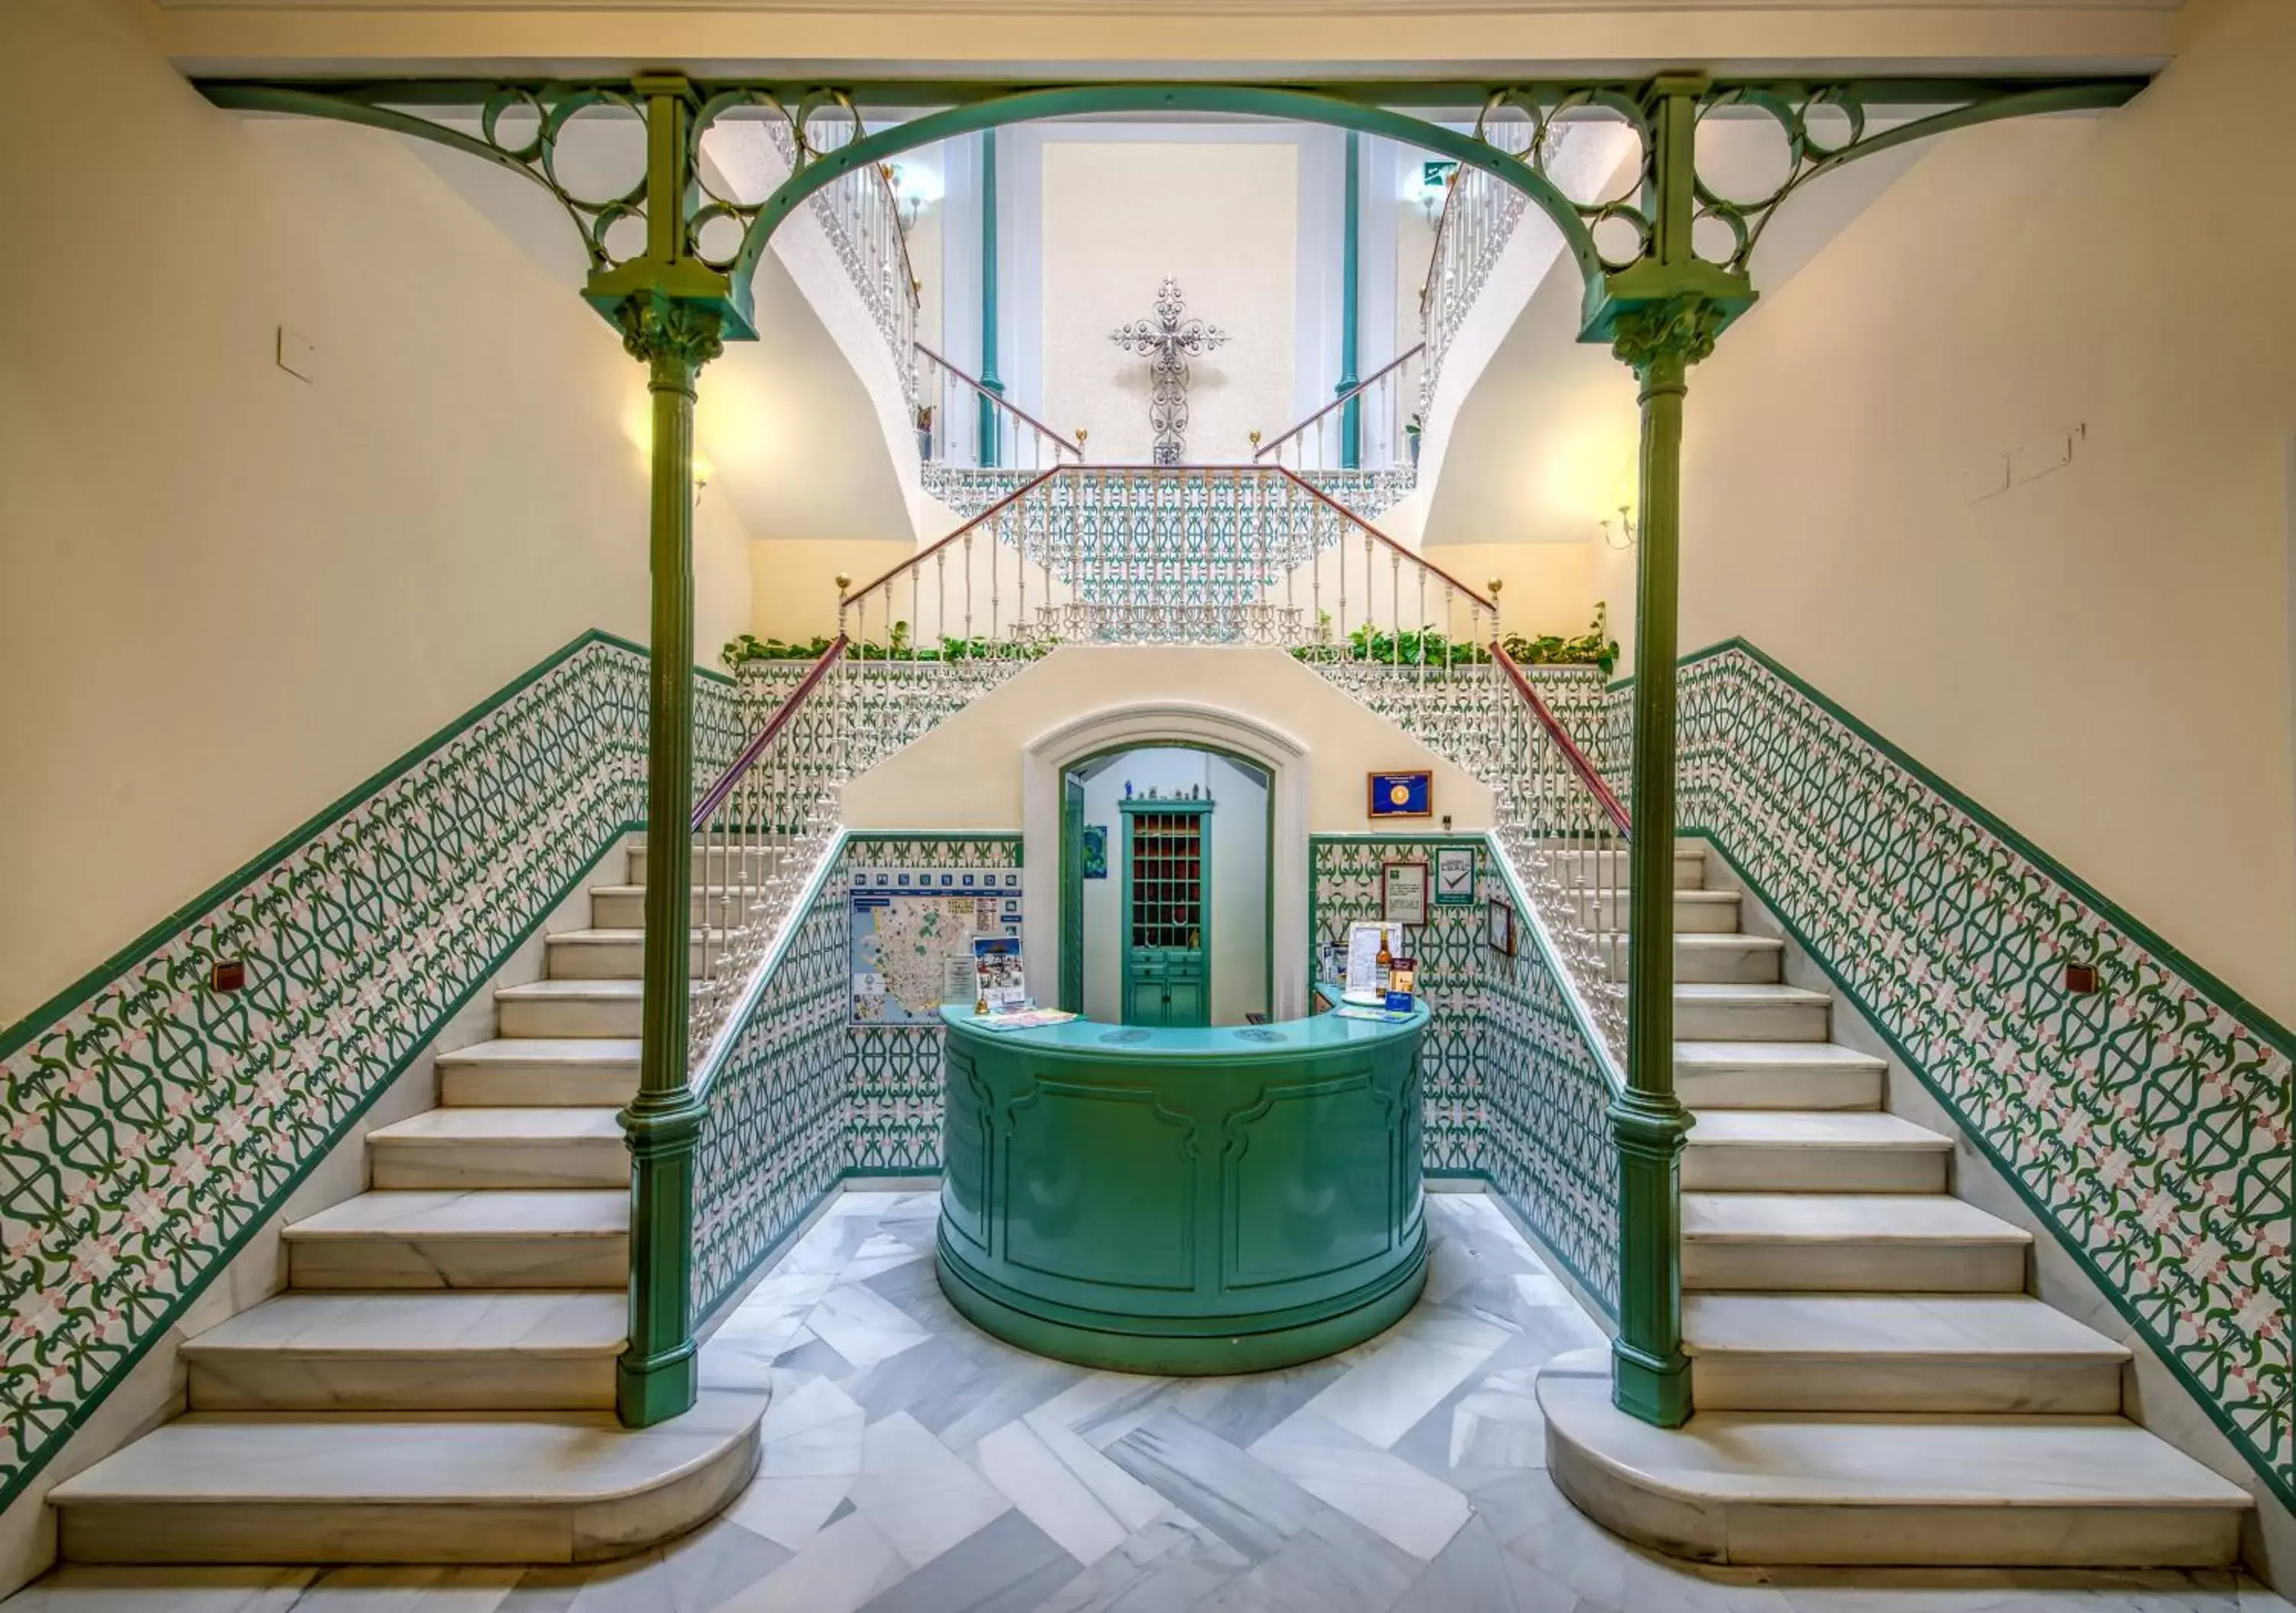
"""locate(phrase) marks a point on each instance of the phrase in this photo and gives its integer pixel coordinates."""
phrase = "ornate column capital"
(672, 335)
(1672, 333)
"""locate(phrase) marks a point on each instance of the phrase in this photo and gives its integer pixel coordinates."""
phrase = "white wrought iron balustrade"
(1203, 554)
(1362, 448)
(863, 221)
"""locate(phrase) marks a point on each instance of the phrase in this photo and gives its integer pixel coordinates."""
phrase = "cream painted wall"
(965, 774)
(793, 584)
(1117, 218)
(2101, 655)
(233, 594)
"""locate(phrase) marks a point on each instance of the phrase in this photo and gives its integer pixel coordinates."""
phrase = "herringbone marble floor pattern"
(913, 1465)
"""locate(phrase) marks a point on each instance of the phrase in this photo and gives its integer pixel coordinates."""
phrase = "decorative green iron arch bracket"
(1652, 258)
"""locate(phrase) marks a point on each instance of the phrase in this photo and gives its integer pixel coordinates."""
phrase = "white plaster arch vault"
(1288, 762)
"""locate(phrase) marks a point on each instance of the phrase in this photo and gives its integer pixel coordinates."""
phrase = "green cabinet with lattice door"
(1168, 865)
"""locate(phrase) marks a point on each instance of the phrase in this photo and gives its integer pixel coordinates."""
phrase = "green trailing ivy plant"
(1426, 646)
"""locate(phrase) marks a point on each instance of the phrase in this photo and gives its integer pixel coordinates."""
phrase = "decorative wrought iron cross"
(1167, 342)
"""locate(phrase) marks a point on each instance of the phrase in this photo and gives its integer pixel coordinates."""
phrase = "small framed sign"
(1455, 876)
(1403, 893)
(1501, 930)
(1402, 795)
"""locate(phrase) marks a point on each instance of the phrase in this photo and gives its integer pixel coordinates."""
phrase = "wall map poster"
(909, 924)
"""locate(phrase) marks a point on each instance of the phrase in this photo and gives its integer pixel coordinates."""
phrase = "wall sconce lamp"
(914, 188)
(1433, 183)
(1619, 533)
(703, 471)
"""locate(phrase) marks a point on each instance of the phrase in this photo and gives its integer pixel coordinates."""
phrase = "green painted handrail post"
(1660, 315)
(1350, 307)
(990, 380)
(674, 335)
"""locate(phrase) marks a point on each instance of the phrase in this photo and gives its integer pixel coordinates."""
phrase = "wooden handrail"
(717, 793)
(922, 555)
(1576, 757)
(1059, 442)
(1344, 398)
(1413, 555)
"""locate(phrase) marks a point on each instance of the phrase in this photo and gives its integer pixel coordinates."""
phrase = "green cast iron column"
(1660, 317)
(990, 379)
(673, 336)
(1350, 309)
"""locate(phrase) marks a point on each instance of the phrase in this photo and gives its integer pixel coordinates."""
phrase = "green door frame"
(1268, 857)
(1072, 891)
(1660, 304)
(1128, 810)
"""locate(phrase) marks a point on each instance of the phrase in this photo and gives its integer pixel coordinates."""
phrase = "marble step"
(563, 1009)
(523, 1146)
(1911, 1243)
(1751, 1013)
(579, 1072)
(554, 1487)
(1774, 1488)
(1998, 1353)
(1776, 1075)
(1695, 912)
(1823, 1151)
(1708, 958)
(623, 906)
(409, 1351)
(1608, 870)
(618, 955)
(485, 1239)
(717, 865)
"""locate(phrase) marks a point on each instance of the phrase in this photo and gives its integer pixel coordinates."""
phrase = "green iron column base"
(656, 1378)
(1650, 1372)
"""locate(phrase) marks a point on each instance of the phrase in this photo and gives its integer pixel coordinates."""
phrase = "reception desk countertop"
(1104, 1041)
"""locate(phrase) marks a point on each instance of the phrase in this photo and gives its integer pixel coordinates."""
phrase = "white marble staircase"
(1873, 1384)
(436, 1384)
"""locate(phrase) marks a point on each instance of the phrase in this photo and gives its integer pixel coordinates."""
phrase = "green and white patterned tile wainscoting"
(800, 1098)
(155, 1125)
(2144, 1125)
(1517, 1094)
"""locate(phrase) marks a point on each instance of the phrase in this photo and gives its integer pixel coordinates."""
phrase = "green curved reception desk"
(1183, 1200)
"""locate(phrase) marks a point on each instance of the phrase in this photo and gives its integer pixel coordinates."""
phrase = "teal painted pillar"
(990, 379)
(1351, 308)
(1662, 316)
(672, 320)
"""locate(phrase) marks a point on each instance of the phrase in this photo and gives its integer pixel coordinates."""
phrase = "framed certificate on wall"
(1403, 893)
(1455, 876)
(1402, 795)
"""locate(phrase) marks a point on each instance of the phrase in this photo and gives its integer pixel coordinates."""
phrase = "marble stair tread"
(614, 955)
(480, 1127)
(559, 1009)
(1714, 1076)
(1813, 1151)
(1878, 1328)
(440, 1488)
(1848, 1242)
(528, 1147)
(1871, 1487)
(540, 1071)
(1709, 1012)
(1804, 1128)
(418, 1323)
(1867, 1219)
(615, 1052)
(473, 1213)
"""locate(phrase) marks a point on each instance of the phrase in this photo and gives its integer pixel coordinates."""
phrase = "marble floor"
(912, 1465)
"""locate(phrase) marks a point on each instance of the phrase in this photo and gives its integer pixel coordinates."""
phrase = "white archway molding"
(1288, 762)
